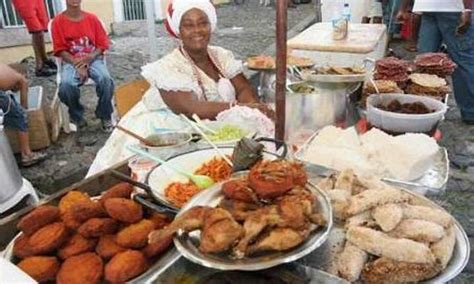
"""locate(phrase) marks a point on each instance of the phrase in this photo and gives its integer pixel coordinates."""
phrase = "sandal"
(33, 159)
(51, 64)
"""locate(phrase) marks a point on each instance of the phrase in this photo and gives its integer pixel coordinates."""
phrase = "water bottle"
(346, 12)
(339, 21)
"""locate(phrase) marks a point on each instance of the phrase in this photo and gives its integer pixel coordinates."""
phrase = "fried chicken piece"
(40, 268)
(160, 220)
(48, 238)
(254, 225)
(239, 190)
(77, 244)
(157, 248)
(279, 239)
(220, 231)
(300, 178)
(69, 220)
(121, 190)
(294, 209)
(238, 209)
(125, 266)
(96, 227)
(385, 270)
(107, 247)
(38, 218)
(190, 220)
(21, 248)
(270, 179)
(124, 210)
(71, 198)
(79, 269)
(135, 235)
(84, 210)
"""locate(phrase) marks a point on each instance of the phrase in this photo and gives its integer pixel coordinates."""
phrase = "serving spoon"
(208, 140)
(201, 181)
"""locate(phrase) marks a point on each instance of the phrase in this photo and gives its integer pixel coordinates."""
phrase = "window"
(10, 18)
(134, 10)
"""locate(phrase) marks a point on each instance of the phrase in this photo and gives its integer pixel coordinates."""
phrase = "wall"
(104, 9)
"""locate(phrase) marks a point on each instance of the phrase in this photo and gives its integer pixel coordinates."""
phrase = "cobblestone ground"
(247, 30)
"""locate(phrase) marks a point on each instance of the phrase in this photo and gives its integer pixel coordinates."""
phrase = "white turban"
(177, 8)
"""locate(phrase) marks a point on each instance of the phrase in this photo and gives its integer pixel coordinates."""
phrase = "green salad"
(227, 132)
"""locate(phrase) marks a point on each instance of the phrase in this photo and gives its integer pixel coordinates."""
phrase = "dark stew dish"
(407, 108)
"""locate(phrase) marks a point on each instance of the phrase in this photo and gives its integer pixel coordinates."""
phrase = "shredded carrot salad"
(179, 193)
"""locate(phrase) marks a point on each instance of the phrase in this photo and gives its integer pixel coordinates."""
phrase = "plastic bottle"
(339, 21)
(346, 12)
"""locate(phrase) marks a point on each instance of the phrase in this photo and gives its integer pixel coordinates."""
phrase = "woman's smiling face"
(195, 30)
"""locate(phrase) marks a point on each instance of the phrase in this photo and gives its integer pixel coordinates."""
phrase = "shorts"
(15, 116)
(33, 13)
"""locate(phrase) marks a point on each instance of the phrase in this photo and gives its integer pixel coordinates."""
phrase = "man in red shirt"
(80, 40)
(33, 13)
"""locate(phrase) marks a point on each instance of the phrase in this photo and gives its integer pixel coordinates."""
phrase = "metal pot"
(11, 180)
(329, 104)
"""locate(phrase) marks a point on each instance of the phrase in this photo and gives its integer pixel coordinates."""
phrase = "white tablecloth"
(143, 122)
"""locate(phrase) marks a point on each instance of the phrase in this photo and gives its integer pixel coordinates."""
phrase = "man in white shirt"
(449, 22)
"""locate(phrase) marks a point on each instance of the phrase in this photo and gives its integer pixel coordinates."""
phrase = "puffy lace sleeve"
(231, 67)
(171, 73)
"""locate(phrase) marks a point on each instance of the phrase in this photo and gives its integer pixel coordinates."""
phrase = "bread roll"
(351, 262)
(388, 216)
(443, 249)
(418, 230)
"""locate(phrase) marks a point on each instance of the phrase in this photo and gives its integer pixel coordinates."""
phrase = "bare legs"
(24, 141)
(39, 49)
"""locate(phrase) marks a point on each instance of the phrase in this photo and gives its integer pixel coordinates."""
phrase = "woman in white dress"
(197, 78)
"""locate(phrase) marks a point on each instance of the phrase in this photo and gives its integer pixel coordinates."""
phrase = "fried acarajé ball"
(135, 235)
(85, 210)
(79, 269)
(124, 210)
(40, 268)
(69, 220)
(160, 220)
(107, 247)
(48, 238)
(121, 190)
(125, 266)
(38, 218)
(77, 244)
(21, 248)
(96, 227)
(71, 198)
(157, 248)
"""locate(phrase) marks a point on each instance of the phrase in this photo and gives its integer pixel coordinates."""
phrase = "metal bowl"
(168, 143)
(188, 243)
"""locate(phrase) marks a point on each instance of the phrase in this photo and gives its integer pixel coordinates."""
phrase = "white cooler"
(363, 41)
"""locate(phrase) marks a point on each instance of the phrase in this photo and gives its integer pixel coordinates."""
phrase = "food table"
(363, 41)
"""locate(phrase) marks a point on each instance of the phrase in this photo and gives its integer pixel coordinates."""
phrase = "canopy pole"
(152, 40)
(280, 90)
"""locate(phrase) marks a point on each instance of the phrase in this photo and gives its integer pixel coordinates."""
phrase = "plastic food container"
(400, 122)
(140, 167)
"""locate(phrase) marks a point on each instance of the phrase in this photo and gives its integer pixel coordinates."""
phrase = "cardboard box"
(37, 122)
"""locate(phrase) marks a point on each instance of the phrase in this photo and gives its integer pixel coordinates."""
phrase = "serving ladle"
(201, 181)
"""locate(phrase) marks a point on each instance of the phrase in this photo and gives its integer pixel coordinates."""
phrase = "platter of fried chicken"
(391, 234)
(257, 219)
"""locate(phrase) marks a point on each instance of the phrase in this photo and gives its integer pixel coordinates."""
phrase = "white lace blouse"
(174, 72)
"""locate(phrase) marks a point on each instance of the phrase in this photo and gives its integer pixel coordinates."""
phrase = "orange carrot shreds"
(179, 193)
(216, 168)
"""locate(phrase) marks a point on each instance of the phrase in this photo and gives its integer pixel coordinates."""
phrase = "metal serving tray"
(187, 244)
(433, 181)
